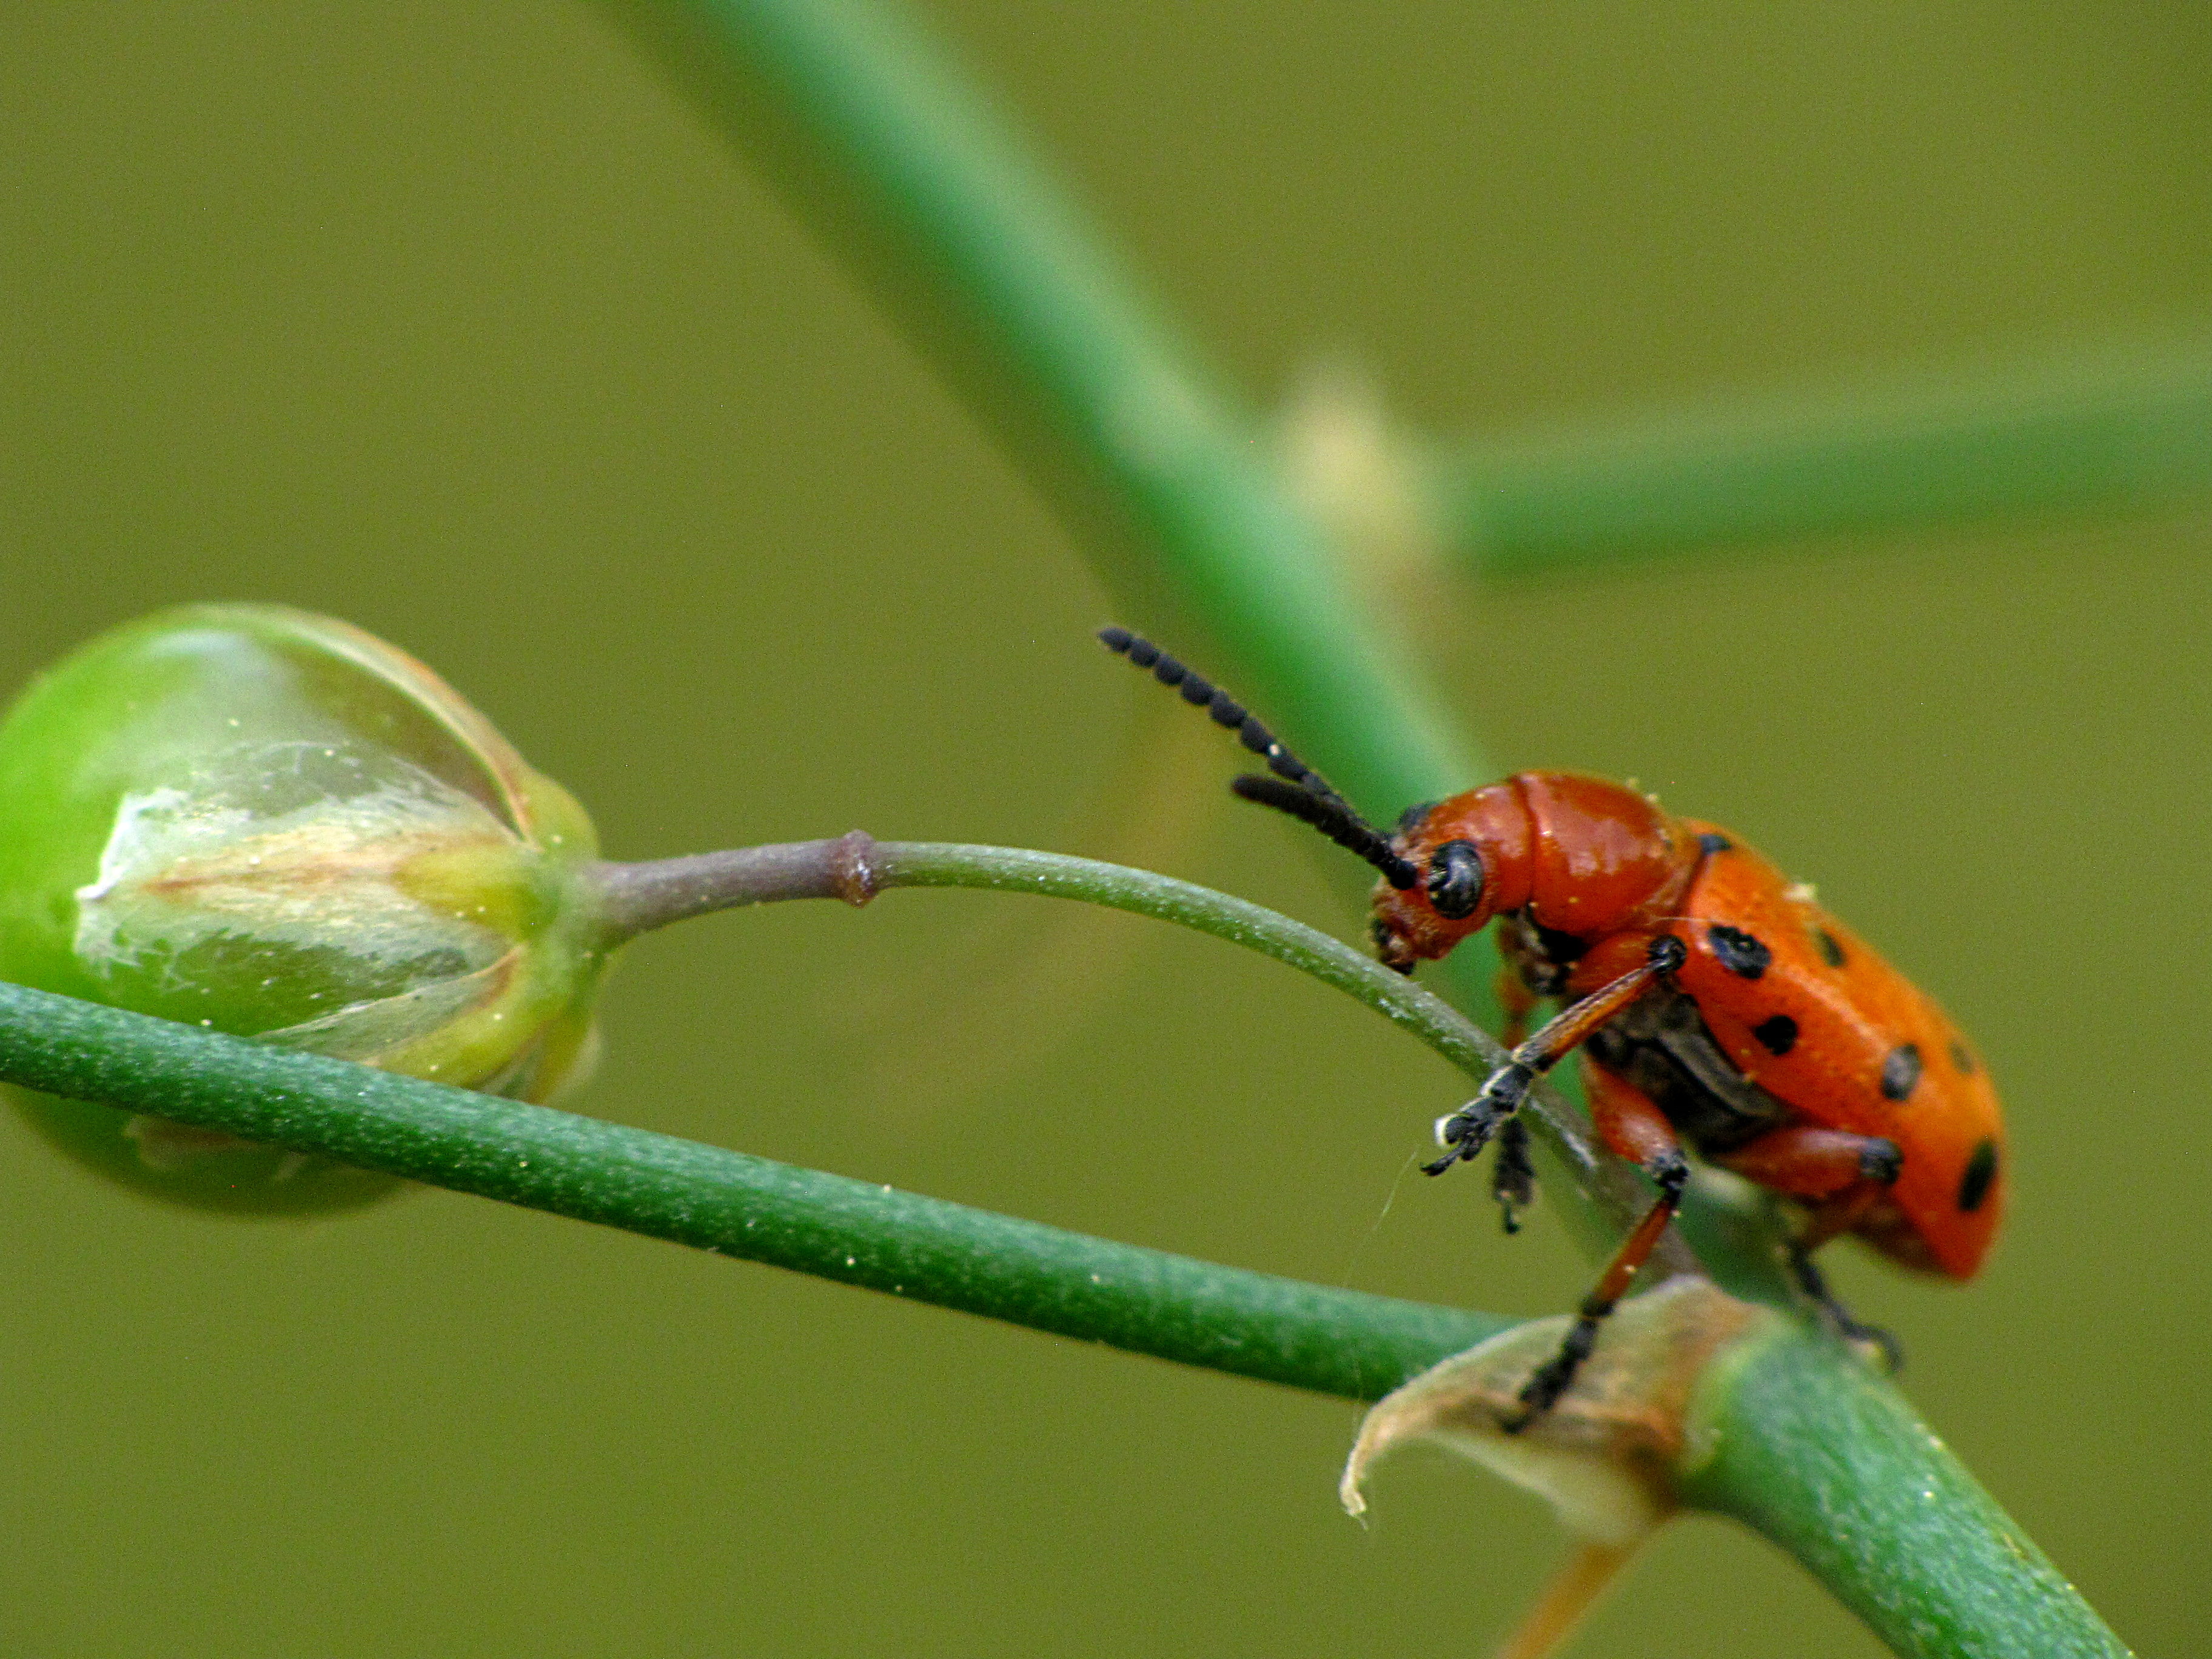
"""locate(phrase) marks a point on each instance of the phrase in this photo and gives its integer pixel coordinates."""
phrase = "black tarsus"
(1541, 1392)
(1811, 1280)
(1302, 792)
(1512, 1176)
(1466, 1132)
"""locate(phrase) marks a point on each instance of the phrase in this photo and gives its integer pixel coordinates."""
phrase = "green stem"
(1802, 1444)
(1831, 1464)
(1308, 1336)
(2125, 430)
(637, 898)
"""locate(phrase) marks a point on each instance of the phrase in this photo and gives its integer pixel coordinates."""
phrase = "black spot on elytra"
(1900, 1071)
(1777, 1035)
(1713, 844)
(1962, 1059)
(1739, 951)
(1830, 952)
(1981, 1174)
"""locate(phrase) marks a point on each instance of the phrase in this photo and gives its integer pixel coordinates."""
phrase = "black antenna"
(1296, 788)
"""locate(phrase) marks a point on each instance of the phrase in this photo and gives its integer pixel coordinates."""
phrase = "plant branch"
(855, 867)
(1804, 1446)
(1308, 1336)
(2121, 430)
(1829, 1462)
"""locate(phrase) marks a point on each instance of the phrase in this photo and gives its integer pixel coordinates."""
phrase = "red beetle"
(1716, 1005)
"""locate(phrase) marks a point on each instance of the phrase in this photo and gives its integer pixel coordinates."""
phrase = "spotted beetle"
(1718, 1010)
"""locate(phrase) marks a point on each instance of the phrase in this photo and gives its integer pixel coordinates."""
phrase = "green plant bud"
(274, 824)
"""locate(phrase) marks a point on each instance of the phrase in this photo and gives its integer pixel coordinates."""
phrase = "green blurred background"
(456, 321)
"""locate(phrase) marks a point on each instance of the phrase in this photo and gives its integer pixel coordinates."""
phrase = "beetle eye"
(1455, 880)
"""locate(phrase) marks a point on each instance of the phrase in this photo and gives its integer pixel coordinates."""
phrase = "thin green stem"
(1797, 1442)
(1308, 1336)
(637, 898)
(2120, 430)
(1609, 1185)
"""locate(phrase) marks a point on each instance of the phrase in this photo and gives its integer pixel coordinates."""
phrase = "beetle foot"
(1464, 1134)
(1512, 1176)
(1867, 1339)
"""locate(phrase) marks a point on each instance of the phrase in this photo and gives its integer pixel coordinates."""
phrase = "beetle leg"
(1815, 1164)
(1543, 1390)
(1465, 1132)
(1843, 1174)
(1512, 1176)
(1811, 1280)
(1629, 1123)
(1627, 1120)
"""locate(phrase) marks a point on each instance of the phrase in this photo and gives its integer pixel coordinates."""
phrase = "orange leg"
(1466, 1132)
(1816, 1163)
(1625, 1118)
(1631, 1126)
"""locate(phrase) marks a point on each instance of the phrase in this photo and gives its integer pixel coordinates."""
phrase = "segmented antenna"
(1295, 788)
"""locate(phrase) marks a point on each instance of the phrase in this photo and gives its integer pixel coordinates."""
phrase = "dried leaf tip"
(1605, 1456)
